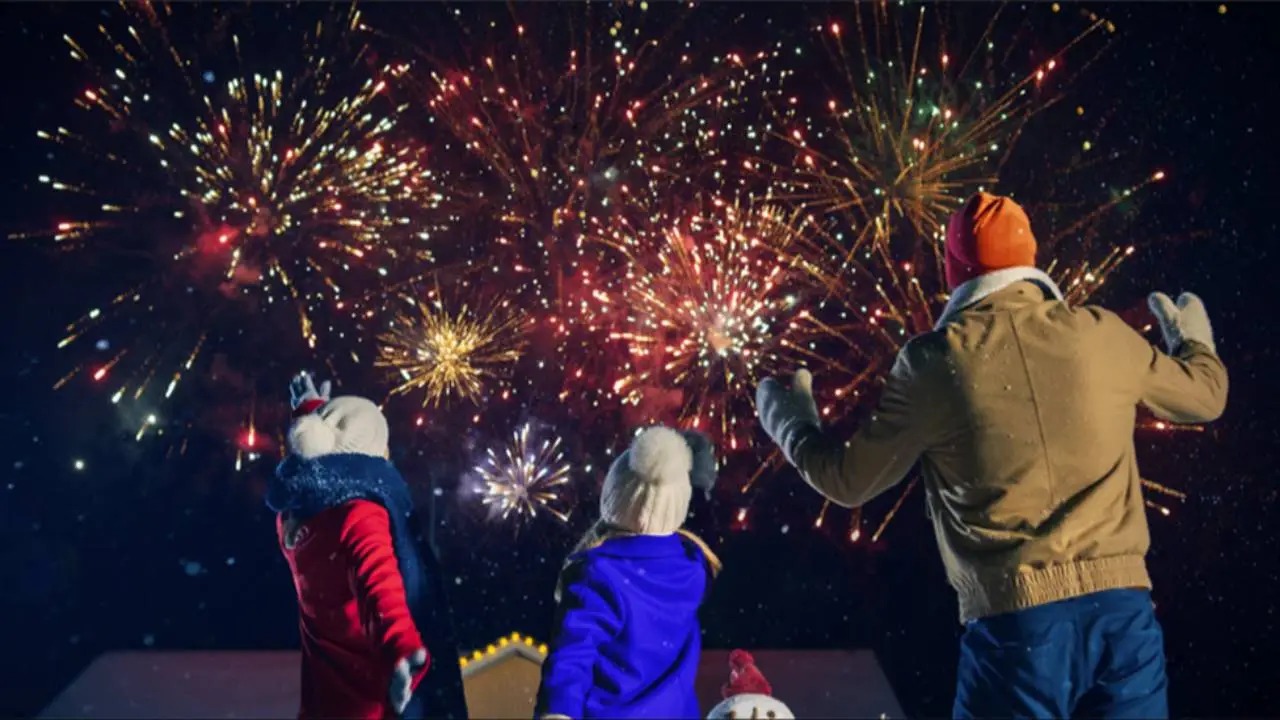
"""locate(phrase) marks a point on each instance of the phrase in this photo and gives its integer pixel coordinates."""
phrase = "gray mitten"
(401, 690)
(788, 414)
(703, 474)
(1187, 320)
(303, 389)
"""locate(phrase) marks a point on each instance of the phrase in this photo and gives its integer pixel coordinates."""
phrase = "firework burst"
(565, 124)
(521, 479)
(909, 136)
(710, 301)
(272, 189)
(557, 126)
(912, 126)
(445, 353)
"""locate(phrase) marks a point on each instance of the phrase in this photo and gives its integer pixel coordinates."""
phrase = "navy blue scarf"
(308, 487)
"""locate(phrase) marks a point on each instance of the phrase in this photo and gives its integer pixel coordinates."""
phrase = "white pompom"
(310, 437)
(661, 456)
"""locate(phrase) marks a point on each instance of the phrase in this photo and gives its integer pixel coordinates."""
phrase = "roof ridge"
(501, 648)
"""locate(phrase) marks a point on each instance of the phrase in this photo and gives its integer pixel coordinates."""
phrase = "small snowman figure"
(748, 695)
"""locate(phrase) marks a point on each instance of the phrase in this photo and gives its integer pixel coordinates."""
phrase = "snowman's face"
(751, 707)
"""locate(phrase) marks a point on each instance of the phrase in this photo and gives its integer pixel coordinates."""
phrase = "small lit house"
(502, 680)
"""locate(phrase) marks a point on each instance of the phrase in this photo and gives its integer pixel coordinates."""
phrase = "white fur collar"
(974, 290)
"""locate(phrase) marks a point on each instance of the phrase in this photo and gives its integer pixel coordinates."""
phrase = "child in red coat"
(377, 636)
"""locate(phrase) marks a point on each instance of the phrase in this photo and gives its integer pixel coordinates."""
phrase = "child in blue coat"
(628, 642)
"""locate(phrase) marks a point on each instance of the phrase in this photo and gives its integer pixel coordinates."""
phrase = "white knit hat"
(342, 425)
(648, 487)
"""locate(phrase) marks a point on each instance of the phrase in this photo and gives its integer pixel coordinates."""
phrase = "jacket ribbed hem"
(985, 594)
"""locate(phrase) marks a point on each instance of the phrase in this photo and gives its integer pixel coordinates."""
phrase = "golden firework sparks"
(905, 134)
(448, 353)
(910, 131)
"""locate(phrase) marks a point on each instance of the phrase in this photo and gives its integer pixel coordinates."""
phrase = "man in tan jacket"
(1020, 410)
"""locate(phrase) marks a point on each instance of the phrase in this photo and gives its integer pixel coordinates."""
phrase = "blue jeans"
(1094, 656)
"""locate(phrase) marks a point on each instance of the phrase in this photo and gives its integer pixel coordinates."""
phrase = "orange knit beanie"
(989, 233)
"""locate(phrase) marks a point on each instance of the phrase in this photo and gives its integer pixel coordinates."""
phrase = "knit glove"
(788, 415)
(702, 476)
(303, 396)
(402, 679)
(1187, 320)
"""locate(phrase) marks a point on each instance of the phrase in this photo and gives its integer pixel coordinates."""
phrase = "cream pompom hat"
(347, 424)
(649, 486)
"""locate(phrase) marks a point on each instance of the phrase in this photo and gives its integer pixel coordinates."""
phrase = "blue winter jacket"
(628, 641)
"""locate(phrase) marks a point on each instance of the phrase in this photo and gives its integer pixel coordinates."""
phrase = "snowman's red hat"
(744, 677)
(748, 694)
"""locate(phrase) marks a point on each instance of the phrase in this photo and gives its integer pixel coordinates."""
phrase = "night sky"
(145, 547)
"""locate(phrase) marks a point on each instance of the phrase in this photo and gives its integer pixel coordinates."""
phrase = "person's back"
(376, 630)
(342, 668)
(627, 642)
(656, 584)
(1020, 409)
(1032, 469)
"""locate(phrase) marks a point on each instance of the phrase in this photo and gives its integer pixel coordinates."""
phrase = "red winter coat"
(354, 618)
